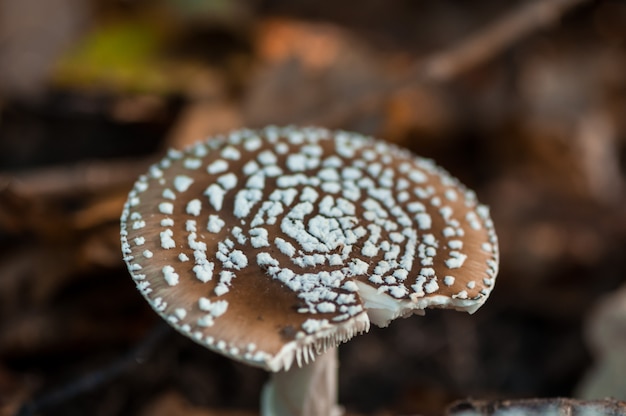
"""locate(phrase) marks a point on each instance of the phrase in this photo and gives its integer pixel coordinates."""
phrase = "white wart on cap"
(270, 246)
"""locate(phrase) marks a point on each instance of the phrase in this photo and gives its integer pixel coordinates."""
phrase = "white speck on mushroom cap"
(304, 237)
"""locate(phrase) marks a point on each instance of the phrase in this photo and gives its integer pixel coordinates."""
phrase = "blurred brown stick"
(470, 52)
(83, 177)
(494, 38)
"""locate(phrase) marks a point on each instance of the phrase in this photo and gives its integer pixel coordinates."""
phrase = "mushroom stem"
(309, 390)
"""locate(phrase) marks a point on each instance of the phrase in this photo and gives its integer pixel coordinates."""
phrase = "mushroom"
(272, 247)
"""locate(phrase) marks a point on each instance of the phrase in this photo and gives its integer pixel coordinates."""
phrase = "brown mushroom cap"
(269, 246)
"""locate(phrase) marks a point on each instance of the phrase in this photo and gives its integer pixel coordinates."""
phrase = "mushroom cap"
(270, 246)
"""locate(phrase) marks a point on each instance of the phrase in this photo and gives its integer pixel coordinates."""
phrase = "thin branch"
(82, 177)
(495, 38)
(98, 377)
(475, 49)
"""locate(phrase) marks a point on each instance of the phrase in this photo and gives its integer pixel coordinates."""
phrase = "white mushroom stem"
(310, 390)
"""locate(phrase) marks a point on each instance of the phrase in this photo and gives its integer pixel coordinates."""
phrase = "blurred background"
(524, 101)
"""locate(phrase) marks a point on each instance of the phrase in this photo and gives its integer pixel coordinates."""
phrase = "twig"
(449, 63)
(493, 39)
(83, 177)
(98, 377)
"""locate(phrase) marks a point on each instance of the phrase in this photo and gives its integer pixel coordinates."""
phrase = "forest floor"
(524, 102)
